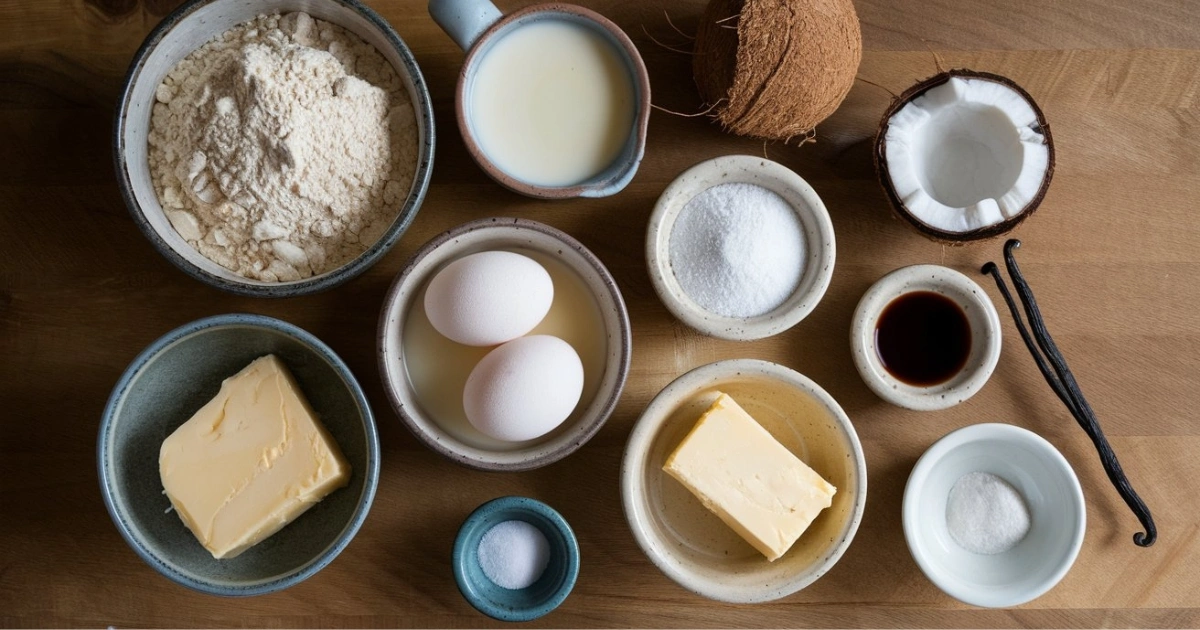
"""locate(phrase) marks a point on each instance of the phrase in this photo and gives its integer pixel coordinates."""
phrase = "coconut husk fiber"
(776, 68)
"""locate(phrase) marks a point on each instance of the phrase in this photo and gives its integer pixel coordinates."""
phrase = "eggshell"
(524, 389)
(489, 298)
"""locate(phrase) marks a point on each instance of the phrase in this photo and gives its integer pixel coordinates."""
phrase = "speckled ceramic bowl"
(164, 386)
(588, 312)
(542, 596)
(186, 29)
(693, 546)
(1049, 488)
(981, 316)
(818, 236)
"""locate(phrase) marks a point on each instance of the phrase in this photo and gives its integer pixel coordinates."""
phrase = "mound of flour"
(282, 148)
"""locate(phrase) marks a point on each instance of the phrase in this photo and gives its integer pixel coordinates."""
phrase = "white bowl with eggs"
(432, 381)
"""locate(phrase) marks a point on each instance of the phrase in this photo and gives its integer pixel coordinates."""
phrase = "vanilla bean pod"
(1053, 367)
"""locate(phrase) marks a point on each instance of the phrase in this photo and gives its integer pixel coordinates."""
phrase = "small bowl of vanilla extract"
(925, 337)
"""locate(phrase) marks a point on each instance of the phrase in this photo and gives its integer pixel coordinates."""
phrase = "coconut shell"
(778, 67)
(885, 178)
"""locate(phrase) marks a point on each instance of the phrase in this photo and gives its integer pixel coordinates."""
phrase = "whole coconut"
(776, 68)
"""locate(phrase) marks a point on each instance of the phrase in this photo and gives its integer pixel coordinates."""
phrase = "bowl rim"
(961, 289)
(658, 260)
(991, 432)
(390, 375)
(116, 398)
(624, 169)
(423, 110)
(634, 461)
(520, 504)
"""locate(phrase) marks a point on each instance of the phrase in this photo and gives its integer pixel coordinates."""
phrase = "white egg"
(524, 389)
(489, 298)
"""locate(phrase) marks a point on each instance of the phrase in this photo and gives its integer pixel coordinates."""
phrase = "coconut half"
(964, 155)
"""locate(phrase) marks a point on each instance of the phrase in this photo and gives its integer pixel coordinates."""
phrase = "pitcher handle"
(464, 20)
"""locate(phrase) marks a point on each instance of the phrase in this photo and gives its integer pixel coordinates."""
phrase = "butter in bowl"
(238, 455)
(743, 481)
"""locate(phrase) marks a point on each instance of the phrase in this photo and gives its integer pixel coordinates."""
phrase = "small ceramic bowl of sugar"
(994, 515)
(233, 202)
(515, 559)
(740, 248)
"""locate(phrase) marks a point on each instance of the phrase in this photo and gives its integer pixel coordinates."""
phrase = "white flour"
(283, 148)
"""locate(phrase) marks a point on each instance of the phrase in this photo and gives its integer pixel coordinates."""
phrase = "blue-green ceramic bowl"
(164, 386)
(542, 596)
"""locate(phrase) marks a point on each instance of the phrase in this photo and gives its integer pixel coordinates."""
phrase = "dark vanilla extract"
(923, 338)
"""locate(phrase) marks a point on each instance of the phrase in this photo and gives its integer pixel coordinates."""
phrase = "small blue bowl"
(164, 386)
(542, 596)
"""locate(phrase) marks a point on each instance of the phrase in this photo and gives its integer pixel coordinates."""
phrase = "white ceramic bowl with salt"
(819, 248)
(1051, 492)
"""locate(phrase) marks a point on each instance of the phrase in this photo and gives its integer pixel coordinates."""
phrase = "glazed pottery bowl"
(693, 546)
(1049, 488)
(547, 592)
(424, 373)
(167, 383)
(814, 220)
(981, 317)
(477, 26)
(186, 29)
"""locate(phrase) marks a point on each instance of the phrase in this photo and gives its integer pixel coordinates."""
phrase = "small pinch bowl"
(693, 546)
(580, 280)
(186, 29)
(164, 386)
(536, 600)
(818, 234)
(1051, 491)
(981, 316)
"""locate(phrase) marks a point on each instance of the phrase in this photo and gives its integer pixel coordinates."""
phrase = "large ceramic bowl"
(1051, 492)
(186, 29)
(693, 546)
(164, 386)
(424, 373)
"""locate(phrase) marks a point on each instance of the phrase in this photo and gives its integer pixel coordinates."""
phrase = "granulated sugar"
(985, 514)
(738, 250)
(283, 148)
(513, 554)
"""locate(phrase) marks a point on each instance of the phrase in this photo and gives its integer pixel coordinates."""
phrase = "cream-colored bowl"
(693, 546)
(981, 317)
(745, 169)
(424, 373)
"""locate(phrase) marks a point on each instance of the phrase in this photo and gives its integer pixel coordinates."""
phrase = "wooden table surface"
(1112, 255)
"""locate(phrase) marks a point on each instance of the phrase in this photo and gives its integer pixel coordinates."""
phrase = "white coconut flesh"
(966, 155)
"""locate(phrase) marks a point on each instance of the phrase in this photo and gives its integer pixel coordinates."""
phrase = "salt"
(985, 514)
(513, 554)
(738, 250)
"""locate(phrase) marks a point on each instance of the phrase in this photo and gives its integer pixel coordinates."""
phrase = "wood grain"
(1112, 255)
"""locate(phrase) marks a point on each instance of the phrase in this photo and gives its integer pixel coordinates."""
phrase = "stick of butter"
(250, 461)
(742, 474)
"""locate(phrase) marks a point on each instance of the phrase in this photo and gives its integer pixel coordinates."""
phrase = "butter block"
(742, 474)
(250, 461)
